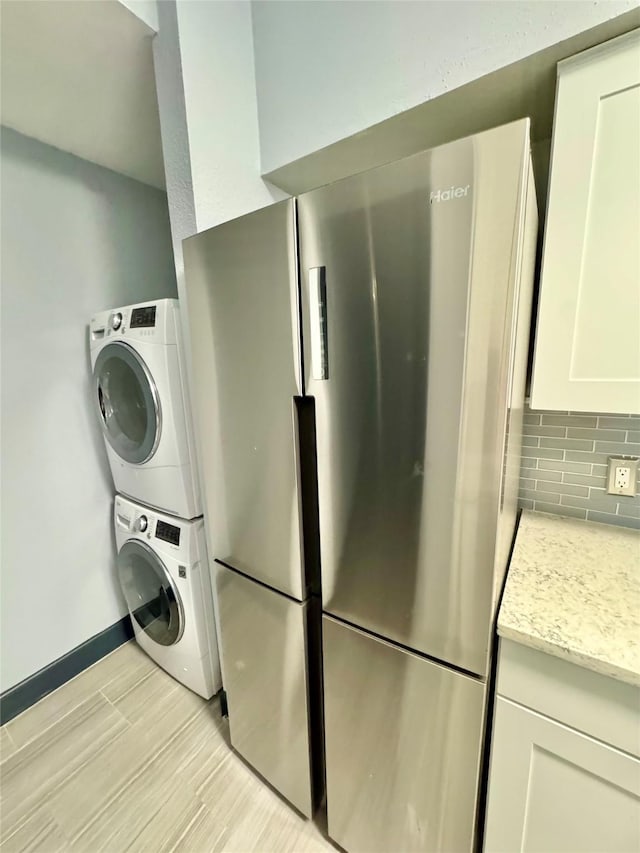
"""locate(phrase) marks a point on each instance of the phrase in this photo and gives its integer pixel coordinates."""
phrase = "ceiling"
(78, 75)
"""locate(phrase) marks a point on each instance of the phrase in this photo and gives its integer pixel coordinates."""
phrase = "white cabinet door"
(587, 355)
(554, 790)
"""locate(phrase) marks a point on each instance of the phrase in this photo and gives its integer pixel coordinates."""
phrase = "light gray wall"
(218, 72)
(75, 238)
(327, 70)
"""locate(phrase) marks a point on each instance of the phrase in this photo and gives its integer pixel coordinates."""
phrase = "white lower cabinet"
(555, 790)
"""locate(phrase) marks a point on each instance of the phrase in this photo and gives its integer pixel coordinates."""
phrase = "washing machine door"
(128, 402)
(152, 597)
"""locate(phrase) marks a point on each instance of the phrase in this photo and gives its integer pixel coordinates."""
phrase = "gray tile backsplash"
(564, 465)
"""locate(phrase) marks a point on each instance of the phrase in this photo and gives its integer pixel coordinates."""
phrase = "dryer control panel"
(143, 317)
(168, 532)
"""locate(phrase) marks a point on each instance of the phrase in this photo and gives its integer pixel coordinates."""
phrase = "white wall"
(146, 10)
(205, 76)
(327, 70)
(175, 138)
(75, 238)
(216, 46)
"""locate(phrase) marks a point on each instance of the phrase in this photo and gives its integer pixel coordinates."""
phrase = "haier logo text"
(449, 194)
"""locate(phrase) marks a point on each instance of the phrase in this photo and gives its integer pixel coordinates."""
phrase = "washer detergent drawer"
(263, 648)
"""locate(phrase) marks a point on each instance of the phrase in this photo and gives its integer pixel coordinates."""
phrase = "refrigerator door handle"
(318, 323)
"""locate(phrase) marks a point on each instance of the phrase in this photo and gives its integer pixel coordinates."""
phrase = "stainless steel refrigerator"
(380, 323)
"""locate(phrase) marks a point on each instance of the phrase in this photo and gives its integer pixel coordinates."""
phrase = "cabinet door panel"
(588, 341)
(556, 790)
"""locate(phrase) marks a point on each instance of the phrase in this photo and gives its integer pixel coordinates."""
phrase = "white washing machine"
(165, 579)
(140, 393)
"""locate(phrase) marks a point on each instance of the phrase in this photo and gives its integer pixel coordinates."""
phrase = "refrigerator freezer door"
(403, 745)
(419, 265)
(242, 294)
(263, 636)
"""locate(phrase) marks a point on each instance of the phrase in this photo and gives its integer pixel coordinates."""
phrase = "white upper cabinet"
(587, 354)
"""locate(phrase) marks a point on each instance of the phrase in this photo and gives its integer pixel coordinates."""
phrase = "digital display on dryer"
(169, 532)
(143, 317)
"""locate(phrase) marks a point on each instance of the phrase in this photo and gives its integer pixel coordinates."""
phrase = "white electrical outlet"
(623, 475)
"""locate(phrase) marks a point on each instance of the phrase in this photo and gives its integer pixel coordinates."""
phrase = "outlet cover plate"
(630, 475)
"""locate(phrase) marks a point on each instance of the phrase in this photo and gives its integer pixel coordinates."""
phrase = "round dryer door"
(151, 595)
(128, 403)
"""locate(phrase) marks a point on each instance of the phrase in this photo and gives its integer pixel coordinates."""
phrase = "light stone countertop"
(573, 591)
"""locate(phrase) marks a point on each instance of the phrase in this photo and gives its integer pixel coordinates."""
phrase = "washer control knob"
(116, 320)
(142, 523)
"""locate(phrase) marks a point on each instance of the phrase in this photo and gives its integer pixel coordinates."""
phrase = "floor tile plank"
(170, 725)
(153, 699)
(7, 746)
(200, 748)
(143, 765)
(175, 825)
(120, 670)
(149, 799)
(39, 832)
(33, 772)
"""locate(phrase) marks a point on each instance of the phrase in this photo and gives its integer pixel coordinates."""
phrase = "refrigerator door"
(403, 745)
(264, 651)
(409, 277)
(242, 294)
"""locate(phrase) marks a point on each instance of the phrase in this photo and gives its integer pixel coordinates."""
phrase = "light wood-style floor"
(125, 758)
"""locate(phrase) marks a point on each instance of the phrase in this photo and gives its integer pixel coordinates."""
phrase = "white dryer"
(140, 393)
(165, 579)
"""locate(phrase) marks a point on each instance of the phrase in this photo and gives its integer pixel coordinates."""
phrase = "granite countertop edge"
(573, 592)
(595, 664)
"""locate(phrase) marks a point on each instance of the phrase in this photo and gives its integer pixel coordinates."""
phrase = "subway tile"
(538, 495)
(597, 434)
(602, 493)
(562, 465)
(569, 420)
(611, 448)
(527, 484)
(579, 456)
(552, 476)
(552, 431)
(599, 470)
(565, 489)
(525, 503)
(530, 441)
(583, 480)
(633, 436)
(617, 520)
(598, 501)
(557, 509)
(619, 422)
(530, 418)
(526, 464)
(631, 510)
(542, 453)
(567, 443)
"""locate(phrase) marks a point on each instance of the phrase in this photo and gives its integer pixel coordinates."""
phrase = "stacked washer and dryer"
(140, 394)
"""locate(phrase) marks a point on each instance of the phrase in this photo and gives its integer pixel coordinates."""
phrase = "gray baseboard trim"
(32, 689)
